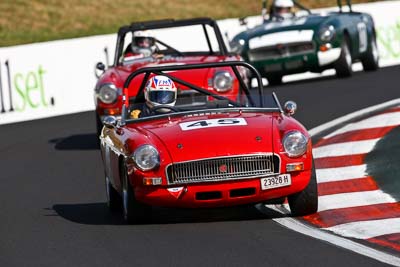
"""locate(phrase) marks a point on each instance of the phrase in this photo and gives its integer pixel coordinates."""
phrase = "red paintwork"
(159, 196)
(118, 75)
(391, 241)
(347, 186)
(357, 135)
(165, 134)
(339, 161)
(329, 218)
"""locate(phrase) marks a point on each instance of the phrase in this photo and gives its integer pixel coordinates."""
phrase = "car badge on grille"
(176, 191)
(223, 168)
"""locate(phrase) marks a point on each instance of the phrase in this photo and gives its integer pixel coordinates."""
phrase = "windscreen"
(175, 40)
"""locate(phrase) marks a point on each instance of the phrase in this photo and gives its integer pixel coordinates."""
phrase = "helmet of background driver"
(282, 9)
(143, 42)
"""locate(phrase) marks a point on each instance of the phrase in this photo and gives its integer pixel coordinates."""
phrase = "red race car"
(220, 153)
(162, 43)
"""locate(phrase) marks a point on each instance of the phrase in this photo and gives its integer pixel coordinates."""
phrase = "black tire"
(370, 61)
(275, 201)
(99, 125)
(133, 211)
(274, 79)
(114, 202)
(306, 201)
(343, 65)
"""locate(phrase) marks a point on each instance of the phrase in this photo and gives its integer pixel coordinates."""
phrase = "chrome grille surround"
(280, 51)
(223, 169)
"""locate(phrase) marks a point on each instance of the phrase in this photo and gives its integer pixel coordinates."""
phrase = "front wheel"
(343, 65)
(99, 124)
(306, 201)
(113, 198)
(370, 61)
(133, 211)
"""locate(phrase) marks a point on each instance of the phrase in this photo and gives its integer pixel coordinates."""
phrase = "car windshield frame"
(234, 107)
(171, 23)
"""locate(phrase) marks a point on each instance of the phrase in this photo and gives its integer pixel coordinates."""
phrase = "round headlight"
(295, 143)
(146, 157)
(237, 46)
(327, 33)
(107, 93)
(222, 81)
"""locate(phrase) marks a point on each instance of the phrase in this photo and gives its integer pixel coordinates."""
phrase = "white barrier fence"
(56, 78)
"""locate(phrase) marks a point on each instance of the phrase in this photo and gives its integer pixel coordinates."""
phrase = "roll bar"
(340, 4)
(168, 23)
(163, 70)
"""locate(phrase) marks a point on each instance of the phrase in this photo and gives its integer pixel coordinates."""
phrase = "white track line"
(313, 232)
(367, 229)
(353, 199)
(341, 174)
(345, 149)
(351, 116)
(378, 121)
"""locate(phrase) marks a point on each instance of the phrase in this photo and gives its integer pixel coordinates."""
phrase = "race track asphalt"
(53, 211)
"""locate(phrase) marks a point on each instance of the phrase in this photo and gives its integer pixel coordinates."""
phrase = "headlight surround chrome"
(107, 93)
(222, 81)
(295, 144)
(327, 33)
(146, 157)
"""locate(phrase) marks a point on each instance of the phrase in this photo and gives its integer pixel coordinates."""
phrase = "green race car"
(309, 42)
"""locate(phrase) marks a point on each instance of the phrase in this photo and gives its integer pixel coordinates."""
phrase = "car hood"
(210, 136)
(311, 22)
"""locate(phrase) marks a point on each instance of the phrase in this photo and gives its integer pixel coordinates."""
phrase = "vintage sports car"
(221, 153)
(173, 42)
(309, 42)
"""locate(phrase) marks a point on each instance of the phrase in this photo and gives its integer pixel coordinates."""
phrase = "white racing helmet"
(143, 42)
(282, 9)
(160, 90)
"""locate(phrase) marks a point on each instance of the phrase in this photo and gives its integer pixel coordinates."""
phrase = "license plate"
(276, 181)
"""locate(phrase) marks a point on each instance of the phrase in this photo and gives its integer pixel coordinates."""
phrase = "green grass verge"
(29, 21)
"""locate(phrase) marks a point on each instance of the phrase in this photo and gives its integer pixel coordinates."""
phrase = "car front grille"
(281, 50)
(223, 169)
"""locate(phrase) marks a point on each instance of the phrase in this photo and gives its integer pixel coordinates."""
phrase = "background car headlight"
(146, 157)
(107, 93)
(237, 46)
(327, 33)
(223, 81)
(295, 143)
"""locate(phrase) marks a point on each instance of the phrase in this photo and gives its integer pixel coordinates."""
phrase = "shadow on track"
(77, 142)
(98, 214)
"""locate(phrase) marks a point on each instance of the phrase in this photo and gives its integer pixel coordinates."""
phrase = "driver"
(281, 9)
(159, 91)
(143, 44)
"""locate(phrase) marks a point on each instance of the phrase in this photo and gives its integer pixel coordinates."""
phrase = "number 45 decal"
(201, 124)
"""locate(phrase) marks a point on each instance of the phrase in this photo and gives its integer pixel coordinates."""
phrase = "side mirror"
(290, 108)
(100, 68)
(110, 122)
